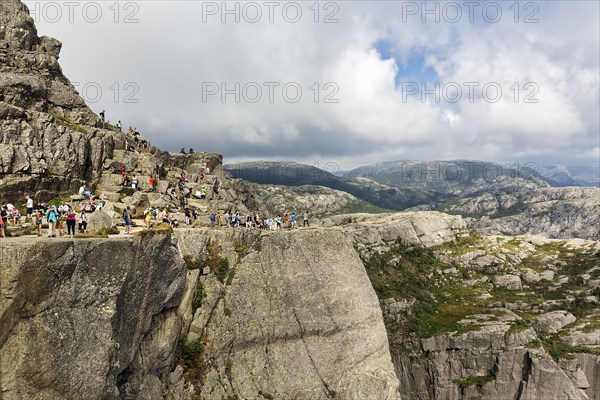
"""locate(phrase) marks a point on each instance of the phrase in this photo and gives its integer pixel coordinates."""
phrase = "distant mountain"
(585, 175)
(286, 173)
(455, 178)
(397, 185)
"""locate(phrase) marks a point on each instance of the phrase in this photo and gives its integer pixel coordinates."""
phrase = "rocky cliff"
(288, 315)
(295, 317)
(89, 319)
(484, 317)
(50, 139)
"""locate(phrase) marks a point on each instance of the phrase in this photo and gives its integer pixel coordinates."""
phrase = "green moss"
(478, 380)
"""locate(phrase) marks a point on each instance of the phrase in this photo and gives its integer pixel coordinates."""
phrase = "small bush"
(222, 269)
(475, 380)
(191, 357)
(192, 263)
(198, 296)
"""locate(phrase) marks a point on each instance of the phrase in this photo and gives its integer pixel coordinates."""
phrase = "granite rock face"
(81, 319)
(560, 213)
(50, 140)
(298, 319)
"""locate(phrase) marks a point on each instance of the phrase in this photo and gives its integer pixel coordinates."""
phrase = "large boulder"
(99, 220)
(553, 321)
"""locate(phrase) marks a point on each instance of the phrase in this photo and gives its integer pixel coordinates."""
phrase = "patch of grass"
(59, 199)
(517, 326)
(90, 235)
(462, 245)
(60, 120)
(190, 354)
(109, 230)
(560, 350)
(222, 269)
(192, 263)
(239, 248)
(217, 264)
(478, 380)
(198, 296)
(413, 272)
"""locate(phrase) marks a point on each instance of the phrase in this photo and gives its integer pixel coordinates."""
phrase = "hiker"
(305, 219)
(157, 170)
(164, 216)
(286, 220)
(104, 198)
(203, 193)
(213, 219)
(102, 115)
(219, 219)
(148, 217)
(71, 223)
(134, 182)
(83, 221)
(29, 206)
(293, 218)
(195, 215)
(120, 126)
(52, 217)
(182, 151)
(191, 151)
(127, 219)
(188, 216)
(227, 219)
(58, 227)
(39, 216)
(152, 183)
(3, 221)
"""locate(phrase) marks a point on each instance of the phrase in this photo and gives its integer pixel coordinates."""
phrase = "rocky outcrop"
(93, 319)
(561, 213)
(423, 228)
(50, 140)
(296, 318)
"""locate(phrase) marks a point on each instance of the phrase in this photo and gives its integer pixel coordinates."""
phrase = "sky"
(347, 83)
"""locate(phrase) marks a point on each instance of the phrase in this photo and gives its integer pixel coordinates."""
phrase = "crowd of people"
(177, 191)
(134, 141)
(55, 217)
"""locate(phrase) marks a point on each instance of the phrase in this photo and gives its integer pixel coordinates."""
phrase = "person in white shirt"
(29, 206)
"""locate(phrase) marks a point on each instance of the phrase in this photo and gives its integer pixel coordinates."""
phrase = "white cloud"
(170, 53)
